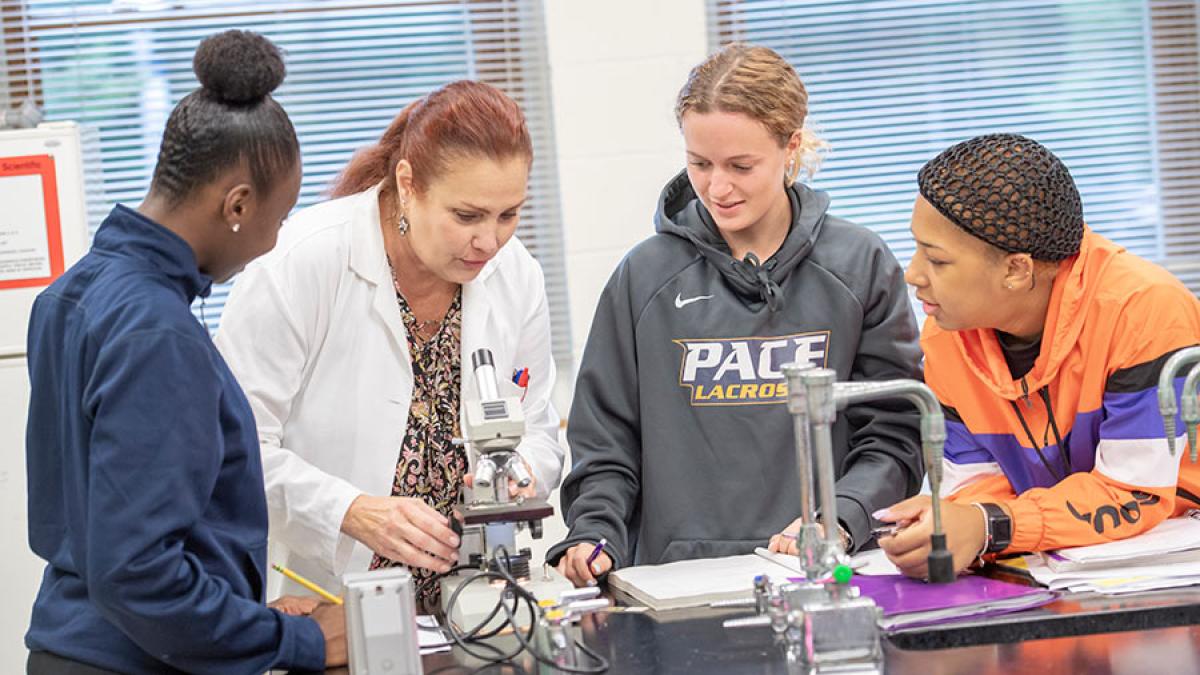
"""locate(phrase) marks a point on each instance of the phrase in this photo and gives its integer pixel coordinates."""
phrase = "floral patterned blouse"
(430, 467)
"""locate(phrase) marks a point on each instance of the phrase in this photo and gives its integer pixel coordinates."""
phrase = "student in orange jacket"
(1044, 342)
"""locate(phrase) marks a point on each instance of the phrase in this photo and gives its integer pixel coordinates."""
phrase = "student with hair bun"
(353, 340)
(145, 478)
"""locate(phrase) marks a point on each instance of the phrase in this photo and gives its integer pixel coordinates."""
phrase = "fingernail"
(881, 514)
(596, 568)
(454, 540)
(591, 582)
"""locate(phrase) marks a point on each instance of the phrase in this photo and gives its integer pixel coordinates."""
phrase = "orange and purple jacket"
(1113, 321)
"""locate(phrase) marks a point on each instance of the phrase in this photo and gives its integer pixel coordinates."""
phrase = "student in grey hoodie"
(680, 436)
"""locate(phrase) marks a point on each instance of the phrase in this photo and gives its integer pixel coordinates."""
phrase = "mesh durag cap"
(1009, 191)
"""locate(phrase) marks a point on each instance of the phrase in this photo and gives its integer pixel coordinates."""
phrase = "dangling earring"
(401, 219)
(236, 227)
(789, 176)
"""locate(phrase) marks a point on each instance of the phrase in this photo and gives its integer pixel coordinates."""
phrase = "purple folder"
(908, 603)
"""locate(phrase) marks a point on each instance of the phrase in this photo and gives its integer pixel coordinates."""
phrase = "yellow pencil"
(307, 584)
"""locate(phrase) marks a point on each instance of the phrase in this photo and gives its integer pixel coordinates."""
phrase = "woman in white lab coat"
(350, 339)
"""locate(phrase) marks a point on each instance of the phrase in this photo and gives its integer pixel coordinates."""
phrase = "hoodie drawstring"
(758, 273)
(1044, 393)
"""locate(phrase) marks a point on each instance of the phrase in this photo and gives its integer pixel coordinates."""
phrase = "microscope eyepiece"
(481, 357)
(485, 374)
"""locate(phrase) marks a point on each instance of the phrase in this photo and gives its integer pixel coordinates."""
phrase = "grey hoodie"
(679, 432)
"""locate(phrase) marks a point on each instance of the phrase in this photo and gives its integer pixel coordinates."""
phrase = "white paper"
(24, 246)
(791, 562)
(873, 563)
(1170, 536)
(1136, 586)
(430, 641)
(686, 578)
(699, 582)
(1119, 579)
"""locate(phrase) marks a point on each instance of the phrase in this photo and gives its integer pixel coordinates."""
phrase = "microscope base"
(836, 635)
(479, 598)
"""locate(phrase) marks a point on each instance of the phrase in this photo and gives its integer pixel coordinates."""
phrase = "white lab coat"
(314, 335)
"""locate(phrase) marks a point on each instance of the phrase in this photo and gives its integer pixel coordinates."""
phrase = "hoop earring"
(236, 227)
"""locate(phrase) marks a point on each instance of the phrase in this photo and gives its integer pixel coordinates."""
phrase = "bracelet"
(987, 532)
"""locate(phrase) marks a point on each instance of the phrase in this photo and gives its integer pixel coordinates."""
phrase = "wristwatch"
(847, 540)
(999, 528)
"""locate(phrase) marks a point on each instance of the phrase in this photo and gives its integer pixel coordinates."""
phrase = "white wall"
(615, 68)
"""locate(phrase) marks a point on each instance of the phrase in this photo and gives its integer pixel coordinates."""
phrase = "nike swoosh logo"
(680, 303)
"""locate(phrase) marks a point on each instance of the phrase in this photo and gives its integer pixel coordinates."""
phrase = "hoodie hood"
(681, 213)
(1074, 287)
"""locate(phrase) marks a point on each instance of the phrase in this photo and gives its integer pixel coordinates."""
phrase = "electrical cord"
(512, 591)
(472, 634)
(513, 598)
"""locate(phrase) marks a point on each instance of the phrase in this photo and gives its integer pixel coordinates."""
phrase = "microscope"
(491, 518)
(822, 621)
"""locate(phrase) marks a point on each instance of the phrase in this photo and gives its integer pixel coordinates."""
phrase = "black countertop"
(1137, 634)
(638, 643)
(1122, 635)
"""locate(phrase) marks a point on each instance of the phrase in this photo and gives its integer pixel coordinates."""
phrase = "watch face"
(1003, 529)
(999, 528)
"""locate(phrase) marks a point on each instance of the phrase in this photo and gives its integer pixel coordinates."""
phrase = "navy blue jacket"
(145, 480)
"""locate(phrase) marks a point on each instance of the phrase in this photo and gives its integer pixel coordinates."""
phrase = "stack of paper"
(1173, 540)
(1167, 556)
(695, 583)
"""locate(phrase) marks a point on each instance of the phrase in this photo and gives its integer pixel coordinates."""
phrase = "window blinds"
(1105, 84)
(121, 65)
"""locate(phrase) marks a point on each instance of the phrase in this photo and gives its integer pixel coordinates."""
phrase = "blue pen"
(596, 552)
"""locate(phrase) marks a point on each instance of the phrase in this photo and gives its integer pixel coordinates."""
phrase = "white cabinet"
(20, 569)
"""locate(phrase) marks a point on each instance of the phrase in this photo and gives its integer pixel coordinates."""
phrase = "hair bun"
(238, 66)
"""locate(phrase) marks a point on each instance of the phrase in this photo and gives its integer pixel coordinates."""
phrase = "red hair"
(462, 119)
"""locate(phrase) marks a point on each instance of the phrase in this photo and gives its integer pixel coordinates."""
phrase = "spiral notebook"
(700, 582)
